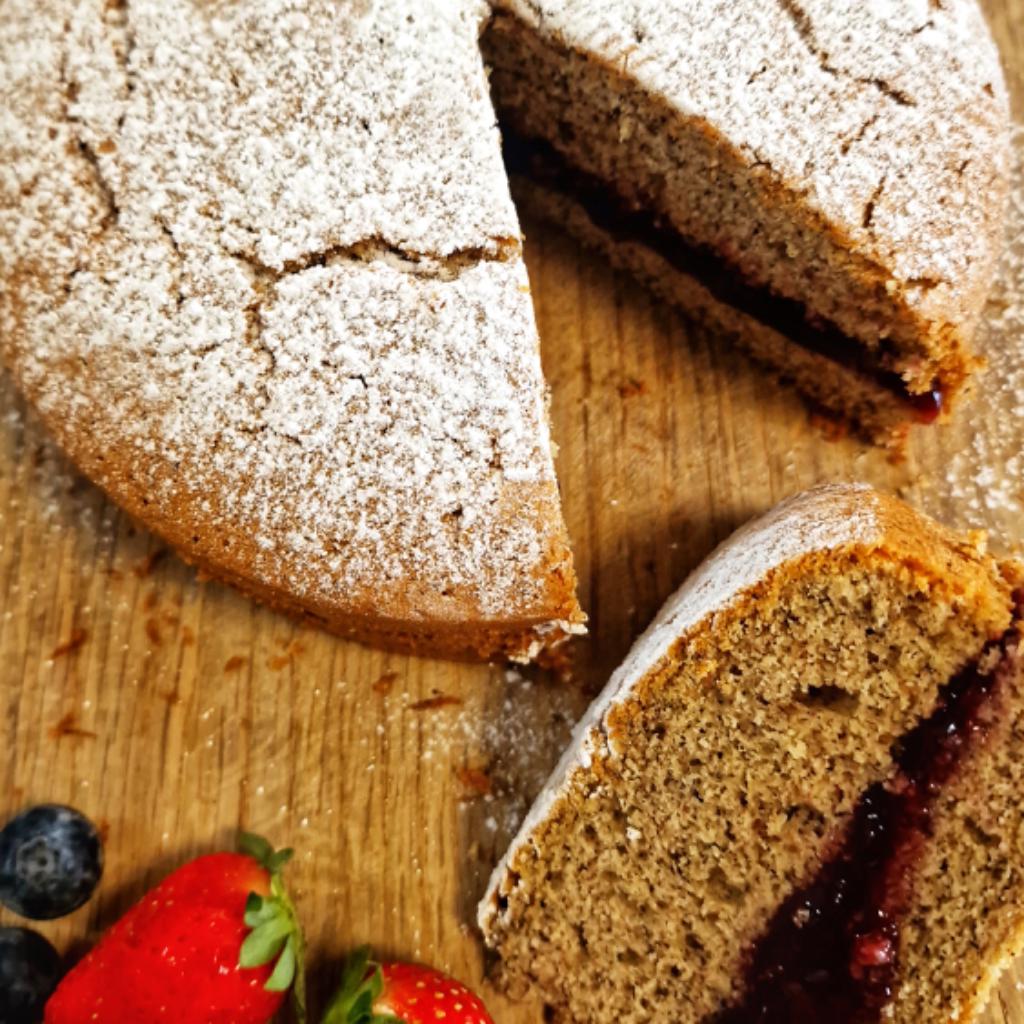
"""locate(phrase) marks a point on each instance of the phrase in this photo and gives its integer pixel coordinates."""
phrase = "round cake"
(261, 274)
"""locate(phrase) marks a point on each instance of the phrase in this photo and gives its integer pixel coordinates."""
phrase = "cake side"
(883, 413)
(694, 689)
(831, 161)
(342, 414)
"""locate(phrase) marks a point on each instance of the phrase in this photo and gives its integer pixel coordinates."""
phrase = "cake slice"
(823, 182)
(261, 274)
(798, 800)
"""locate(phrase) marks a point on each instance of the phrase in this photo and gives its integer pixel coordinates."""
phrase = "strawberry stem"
(276, 934)
(361, 985)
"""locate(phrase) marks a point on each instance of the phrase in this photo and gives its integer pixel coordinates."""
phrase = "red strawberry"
(397, 993)
(217, 942)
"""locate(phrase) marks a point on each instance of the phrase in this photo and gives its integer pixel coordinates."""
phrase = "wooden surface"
(174, 711)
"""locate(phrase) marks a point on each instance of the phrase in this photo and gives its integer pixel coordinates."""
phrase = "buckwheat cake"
(823, 181)
(261, 274)
(798, 799)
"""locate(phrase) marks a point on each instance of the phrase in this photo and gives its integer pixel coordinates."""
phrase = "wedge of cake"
(823, 181)
(799, 798)
(261, 274)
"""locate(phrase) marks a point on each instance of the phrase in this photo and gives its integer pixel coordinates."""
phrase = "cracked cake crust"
(262, 278)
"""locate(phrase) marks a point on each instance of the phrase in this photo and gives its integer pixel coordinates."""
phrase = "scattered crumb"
(291, 648)
(476, 781)
(146, 566)
(386, 683)
(71, 645)
(234, 663)
(440, 700)
(830, 427)
(632, 388)
(68, 726)
(153, 632)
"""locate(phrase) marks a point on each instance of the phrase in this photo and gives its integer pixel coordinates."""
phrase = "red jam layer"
(831, 952)
(538, 160)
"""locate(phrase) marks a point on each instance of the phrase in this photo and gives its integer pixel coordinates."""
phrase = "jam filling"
(538, 160)
(831, 952)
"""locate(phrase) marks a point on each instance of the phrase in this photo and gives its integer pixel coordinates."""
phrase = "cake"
(261, 274)
(823, 182)
(798, 800)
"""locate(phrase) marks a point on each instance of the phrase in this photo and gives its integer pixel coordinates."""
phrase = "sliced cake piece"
(825, 182)
(799, 798)
(261, 274)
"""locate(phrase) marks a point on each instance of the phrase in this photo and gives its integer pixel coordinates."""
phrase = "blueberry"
(50, 862)
(29, 971)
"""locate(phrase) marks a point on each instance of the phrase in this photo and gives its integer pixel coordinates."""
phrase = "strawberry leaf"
(258, 910)
(284, 972)
(265, 941)
(279, 859)
(256, 847)
(276, 936)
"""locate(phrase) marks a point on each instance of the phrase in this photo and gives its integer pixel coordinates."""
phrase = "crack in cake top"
(261, 274)
(285, 129)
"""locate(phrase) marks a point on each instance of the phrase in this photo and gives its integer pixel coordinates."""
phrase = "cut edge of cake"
(846, 205)
(838, 525)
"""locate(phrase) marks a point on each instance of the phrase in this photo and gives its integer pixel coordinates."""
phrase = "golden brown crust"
(454, 630)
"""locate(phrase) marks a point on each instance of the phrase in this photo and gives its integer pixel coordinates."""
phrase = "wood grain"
(174, 711)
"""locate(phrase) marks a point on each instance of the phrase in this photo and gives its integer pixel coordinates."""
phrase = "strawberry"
(398, 993)
(217, 942)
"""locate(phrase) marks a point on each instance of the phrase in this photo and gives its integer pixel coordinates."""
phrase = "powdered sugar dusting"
(981, 484)
(265, 285)
(888, 118)
(285, 128)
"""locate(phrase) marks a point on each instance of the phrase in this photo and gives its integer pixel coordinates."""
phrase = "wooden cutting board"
(173, 711)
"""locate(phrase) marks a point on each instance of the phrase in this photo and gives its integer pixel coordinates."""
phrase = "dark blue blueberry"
(29, 971)
(50, 861)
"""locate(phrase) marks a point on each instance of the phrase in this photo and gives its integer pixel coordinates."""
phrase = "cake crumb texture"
(715, 773)
(853, 159)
